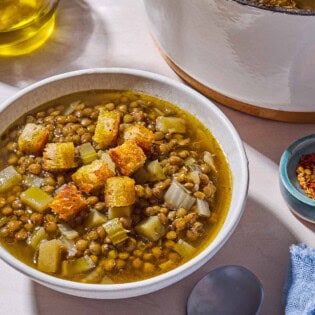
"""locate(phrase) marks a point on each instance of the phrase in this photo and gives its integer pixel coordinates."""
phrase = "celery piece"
(118, 212)
(49, 256)
(66, 268)
(67, 231)
(9, 178)
(37, 236)
(95, 276)
(195, 177)
(106, 280)
(69, 245)
(115, 231)
(183, 248)
(94, 219)
(151, 228)
(71, 108)
(155, 170)
(203, 209)
(108, 160)
(208, 158)
(141, 176)
(33, 181)
(177, 196)
(80, 265)
(87, 153)
(36, 198)
(167, 265)
(190, 162)
(171, 124)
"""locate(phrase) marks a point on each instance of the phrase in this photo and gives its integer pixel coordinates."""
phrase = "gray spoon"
(228, 290)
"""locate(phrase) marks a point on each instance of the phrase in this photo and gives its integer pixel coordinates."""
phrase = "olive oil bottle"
(25, 25)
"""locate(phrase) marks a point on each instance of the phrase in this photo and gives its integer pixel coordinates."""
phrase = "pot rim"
(274, 9)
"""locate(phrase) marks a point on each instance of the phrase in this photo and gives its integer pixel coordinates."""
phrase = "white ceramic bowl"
(163, 88)
(253, 59)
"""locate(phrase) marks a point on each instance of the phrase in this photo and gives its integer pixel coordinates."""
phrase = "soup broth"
(290, 4)
(110, 187)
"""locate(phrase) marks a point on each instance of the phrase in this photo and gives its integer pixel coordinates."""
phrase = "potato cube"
(49, 256)
(128, 157)
(33, 139)
(120, 191)
(59, 156)
(107, 128)
(141, 135)
(36, 198)
(93, 176)
(68, 202)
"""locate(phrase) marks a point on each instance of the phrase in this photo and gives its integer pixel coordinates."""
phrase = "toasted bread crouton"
(128, 157)
(33, 139)
(59, 156)
(141, 135)
(68, 202)
(93, 176)
(107, 128)
(120, 191)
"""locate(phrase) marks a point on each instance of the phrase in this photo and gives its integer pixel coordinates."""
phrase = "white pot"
(239, 54)
(164, 88)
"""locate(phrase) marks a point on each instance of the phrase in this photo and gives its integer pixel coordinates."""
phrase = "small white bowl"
(164, 88)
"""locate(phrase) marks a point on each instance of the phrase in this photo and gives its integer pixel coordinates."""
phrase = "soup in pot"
(289, 4)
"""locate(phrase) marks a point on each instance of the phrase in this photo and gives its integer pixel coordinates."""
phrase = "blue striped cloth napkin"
(299, 290)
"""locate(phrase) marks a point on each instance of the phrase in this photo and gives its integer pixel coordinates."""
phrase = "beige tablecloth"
(107, 33)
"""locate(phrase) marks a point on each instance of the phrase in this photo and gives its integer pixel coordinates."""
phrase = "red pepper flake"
(306, 174)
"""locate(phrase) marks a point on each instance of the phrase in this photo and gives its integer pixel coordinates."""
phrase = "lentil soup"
(110, 187)
(288, 4)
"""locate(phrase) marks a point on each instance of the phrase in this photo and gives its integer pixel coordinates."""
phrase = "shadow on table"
(74, 26)
(265, 258)
(268, 137)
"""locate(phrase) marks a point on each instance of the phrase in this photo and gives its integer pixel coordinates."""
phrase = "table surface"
(109, 33)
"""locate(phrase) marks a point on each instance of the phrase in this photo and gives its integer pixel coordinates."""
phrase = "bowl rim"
(179, 272)
(284, 176)
(274, 9)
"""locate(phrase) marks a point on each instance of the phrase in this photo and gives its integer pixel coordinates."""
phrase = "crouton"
(120, 191)
(141, 135)
(68, 202)
(107, 128)
(93, 176)
(59, 156)
(33, 139)
(128, 157)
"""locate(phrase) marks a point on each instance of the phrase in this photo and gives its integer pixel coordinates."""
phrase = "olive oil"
(25, 25)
